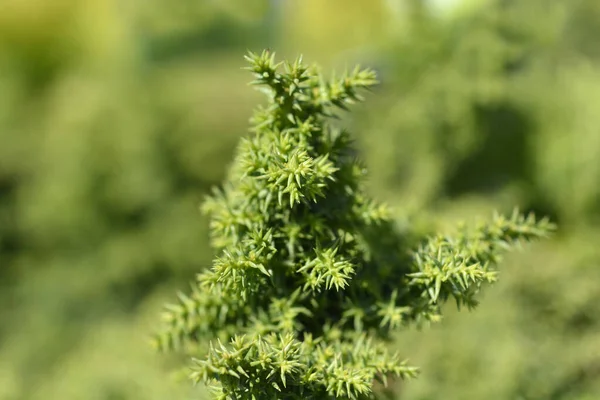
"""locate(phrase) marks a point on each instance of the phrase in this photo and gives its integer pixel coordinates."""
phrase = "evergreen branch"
(458, 265)
(311, 277)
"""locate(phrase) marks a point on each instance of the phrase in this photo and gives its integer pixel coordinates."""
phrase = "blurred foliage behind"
(116, 117)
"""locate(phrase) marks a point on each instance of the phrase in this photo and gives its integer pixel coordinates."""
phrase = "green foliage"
(312, 278)
(115, 119)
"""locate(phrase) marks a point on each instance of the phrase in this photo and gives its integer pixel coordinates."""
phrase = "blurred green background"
(117, 116)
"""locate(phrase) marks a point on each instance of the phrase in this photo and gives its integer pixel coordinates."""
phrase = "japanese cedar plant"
(311, 276)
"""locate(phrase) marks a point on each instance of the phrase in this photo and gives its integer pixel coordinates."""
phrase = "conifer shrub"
(312, 278)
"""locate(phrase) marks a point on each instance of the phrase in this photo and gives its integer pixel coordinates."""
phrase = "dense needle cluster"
(311, 276)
